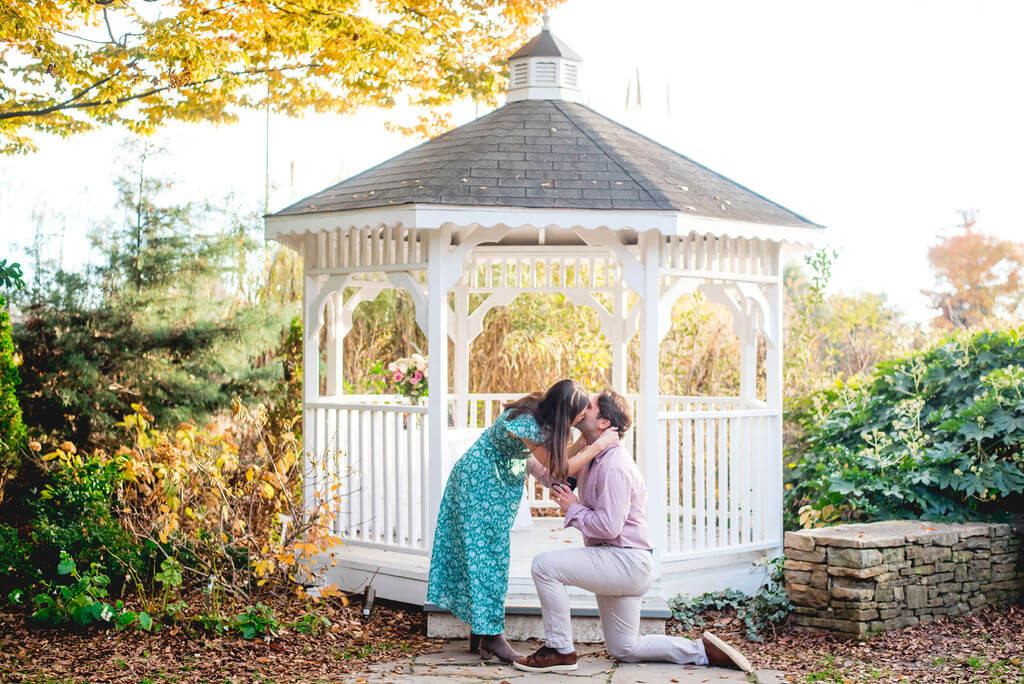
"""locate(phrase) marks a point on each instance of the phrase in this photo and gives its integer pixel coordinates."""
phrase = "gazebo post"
(773, 386)
(619, 341)
(653, 463)
(437, 379)
(310, 384)
(747, 328)
(334, 317)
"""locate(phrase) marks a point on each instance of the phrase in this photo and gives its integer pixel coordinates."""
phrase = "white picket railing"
(371, 461)
(370, 454)
(720, 466)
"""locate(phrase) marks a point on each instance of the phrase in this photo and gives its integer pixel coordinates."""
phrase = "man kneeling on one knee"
(616, 562)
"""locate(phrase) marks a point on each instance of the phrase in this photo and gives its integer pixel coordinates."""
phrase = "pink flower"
(397, 377)
(416, 377)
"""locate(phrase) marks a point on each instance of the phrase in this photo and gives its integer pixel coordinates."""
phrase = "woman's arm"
(585, 455)
(539, 451)
(578, 460)
(539, 472)
(576, 447)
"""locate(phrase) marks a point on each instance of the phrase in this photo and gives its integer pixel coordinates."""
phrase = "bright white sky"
(877, 119)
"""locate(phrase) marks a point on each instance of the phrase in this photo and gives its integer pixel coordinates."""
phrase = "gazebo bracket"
(405, 281)
(756, 295)
(455, 262)
(333, 284)
(476, 319)
(581, 298)
(667, 300)
(632, 269)
(736, 296)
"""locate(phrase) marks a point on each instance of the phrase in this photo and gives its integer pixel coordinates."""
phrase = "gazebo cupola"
(545, 196)
(544, 69)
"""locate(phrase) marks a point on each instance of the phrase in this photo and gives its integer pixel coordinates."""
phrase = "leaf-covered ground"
(987, 647)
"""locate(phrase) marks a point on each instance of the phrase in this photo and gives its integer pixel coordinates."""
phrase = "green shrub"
(82, 601)
(12, 430)
(257, 620)
(74, 513)
(311, 623)
(15, 559)
(936, 435)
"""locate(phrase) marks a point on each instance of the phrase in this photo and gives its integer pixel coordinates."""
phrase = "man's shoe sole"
(735, 656)
(552, 668)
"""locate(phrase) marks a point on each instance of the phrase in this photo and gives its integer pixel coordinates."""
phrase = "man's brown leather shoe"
(546, 659)
(721, 654)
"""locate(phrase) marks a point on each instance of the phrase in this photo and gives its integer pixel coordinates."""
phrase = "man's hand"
(563, 496)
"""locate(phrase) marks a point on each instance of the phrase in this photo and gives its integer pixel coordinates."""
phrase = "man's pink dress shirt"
(612, 500)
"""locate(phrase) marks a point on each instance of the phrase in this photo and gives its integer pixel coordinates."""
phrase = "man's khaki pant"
(619, 578)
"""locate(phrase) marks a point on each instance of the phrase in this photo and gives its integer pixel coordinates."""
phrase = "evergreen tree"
(161, 320)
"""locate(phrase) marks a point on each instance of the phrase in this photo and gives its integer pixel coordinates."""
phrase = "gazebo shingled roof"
(548, 154)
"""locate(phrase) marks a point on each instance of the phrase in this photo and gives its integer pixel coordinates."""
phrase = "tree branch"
(72, 104)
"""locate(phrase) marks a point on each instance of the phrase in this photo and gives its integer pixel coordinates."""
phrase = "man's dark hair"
(615, 408)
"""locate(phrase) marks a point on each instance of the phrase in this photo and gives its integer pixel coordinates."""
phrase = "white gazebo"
(544, 195)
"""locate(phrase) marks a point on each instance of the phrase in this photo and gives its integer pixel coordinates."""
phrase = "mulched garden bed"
(985, 647)
(176, 653)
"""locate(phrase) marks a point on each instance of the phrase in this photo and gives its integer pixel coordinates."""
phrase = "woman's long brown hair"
(554, 412)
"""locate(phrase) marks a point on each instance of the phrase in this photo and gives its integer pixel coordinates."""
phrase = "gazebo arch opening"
(565, 339)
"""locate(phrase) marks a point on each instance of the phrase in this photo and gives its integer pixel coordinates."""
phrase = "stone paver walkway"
(454, 663)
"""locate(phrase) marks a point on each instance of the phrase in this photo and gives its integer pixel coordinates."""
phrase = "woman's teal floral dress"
(469, 564)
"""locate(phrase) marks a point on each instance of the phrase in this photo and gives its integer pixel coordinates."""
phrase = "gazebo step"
(523, 619)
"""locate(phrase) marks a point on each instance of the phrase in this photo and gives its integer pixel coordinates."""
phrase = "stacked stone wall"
(873, 577)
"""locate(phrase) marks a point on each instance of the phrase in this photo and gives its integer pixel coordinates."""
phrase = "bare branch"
(110, 31)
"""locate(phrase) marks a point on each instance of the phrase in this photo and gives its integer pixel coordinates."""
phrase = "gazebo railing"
(369, 462)
(369, 458)
(720, 468)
